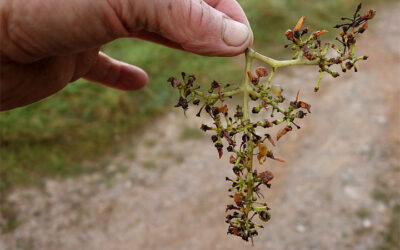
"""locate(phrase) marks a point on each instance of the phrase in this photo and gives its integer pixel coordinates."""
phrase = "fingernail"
(235, 33)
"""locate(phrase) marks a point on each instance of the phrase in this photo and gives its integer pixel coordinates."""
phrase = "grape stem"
(247, 89)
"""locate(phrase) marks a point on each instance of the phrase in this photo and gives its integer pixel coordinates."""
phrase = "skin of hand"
(45, 44)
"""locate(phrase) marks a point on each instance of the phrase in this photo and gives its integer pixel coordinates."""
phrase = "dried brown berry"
(232, 159)
(238, 198)
(289, 34)
(261, 72)
(264, 216)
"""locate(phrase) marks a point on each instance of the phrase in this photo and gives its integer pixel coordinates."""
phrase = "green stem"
(270, 77)
(358, 59)
(246, 88)
(250, 179)
(246, 85)
(216, 96)
(319, 80)
(352, 50)
(277, 64)
(275, 105)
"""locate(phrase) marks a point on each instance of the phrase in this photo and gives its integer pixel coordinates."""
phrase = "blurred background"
(96, 168)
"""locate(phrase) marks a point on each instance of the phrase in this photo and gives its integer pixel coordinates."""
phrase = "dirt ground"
(169, 191)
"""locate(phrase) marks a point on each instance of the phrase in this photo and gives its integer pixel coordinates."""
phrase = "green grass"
(391, 237)
(85, 121)
(382, 195)
(191, 133)
(363, 213)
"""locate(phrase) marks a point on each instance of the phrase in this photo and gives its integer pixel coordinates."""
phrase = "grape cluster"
(235, 132)
(241, 138)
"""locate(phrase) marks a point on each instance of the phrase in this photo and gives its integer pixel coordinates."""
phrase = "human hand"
(45, 44)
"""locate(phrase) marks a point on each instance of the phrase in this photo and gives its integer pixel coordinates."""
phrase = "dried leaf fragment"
(283, 132)
(235, 231)
(279, 159)
(363, 28)
(305, 106)
(227, 137)
(261, 159)
(223, 109)
(318, 33)
(262, 153)
(252, 78)
(220, 153)
(232, 159)
(174, 82)
(266, 176)
(299, 24)
(270, 139)
(369, 15)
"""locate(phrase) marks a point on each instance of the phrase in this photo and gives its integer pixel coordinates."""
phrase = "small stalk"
(246, 84)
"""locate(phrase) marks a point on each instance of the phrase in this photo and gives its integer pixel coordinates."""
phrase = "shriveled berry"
(204, 127)
(215, 84)
(264, 216)
(256, 110)
(219, 145)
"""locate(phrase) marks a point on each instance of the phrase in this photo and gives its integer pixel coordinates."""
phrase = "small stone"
(366, 223)
(381, 207)
(365, 149)
(128, 184)
(300, 228)
(347, 176)
(381, 119)
(351, 192)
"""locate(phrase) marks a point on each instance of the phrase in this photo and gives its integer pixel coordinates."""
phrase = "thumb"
(211, 27)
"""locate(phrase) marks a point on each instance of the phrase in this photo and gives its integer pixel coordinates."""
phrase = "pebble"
(381, 208)
(380, 119)
(366, 223)
(351, 192)
(365, 149)
(300, 228)
(128, 184)
(347, 176)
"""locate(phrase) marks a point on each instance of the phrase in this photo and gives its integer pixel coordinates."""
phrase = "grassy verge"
(386, 192)
(391, 237)
(86, 121)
